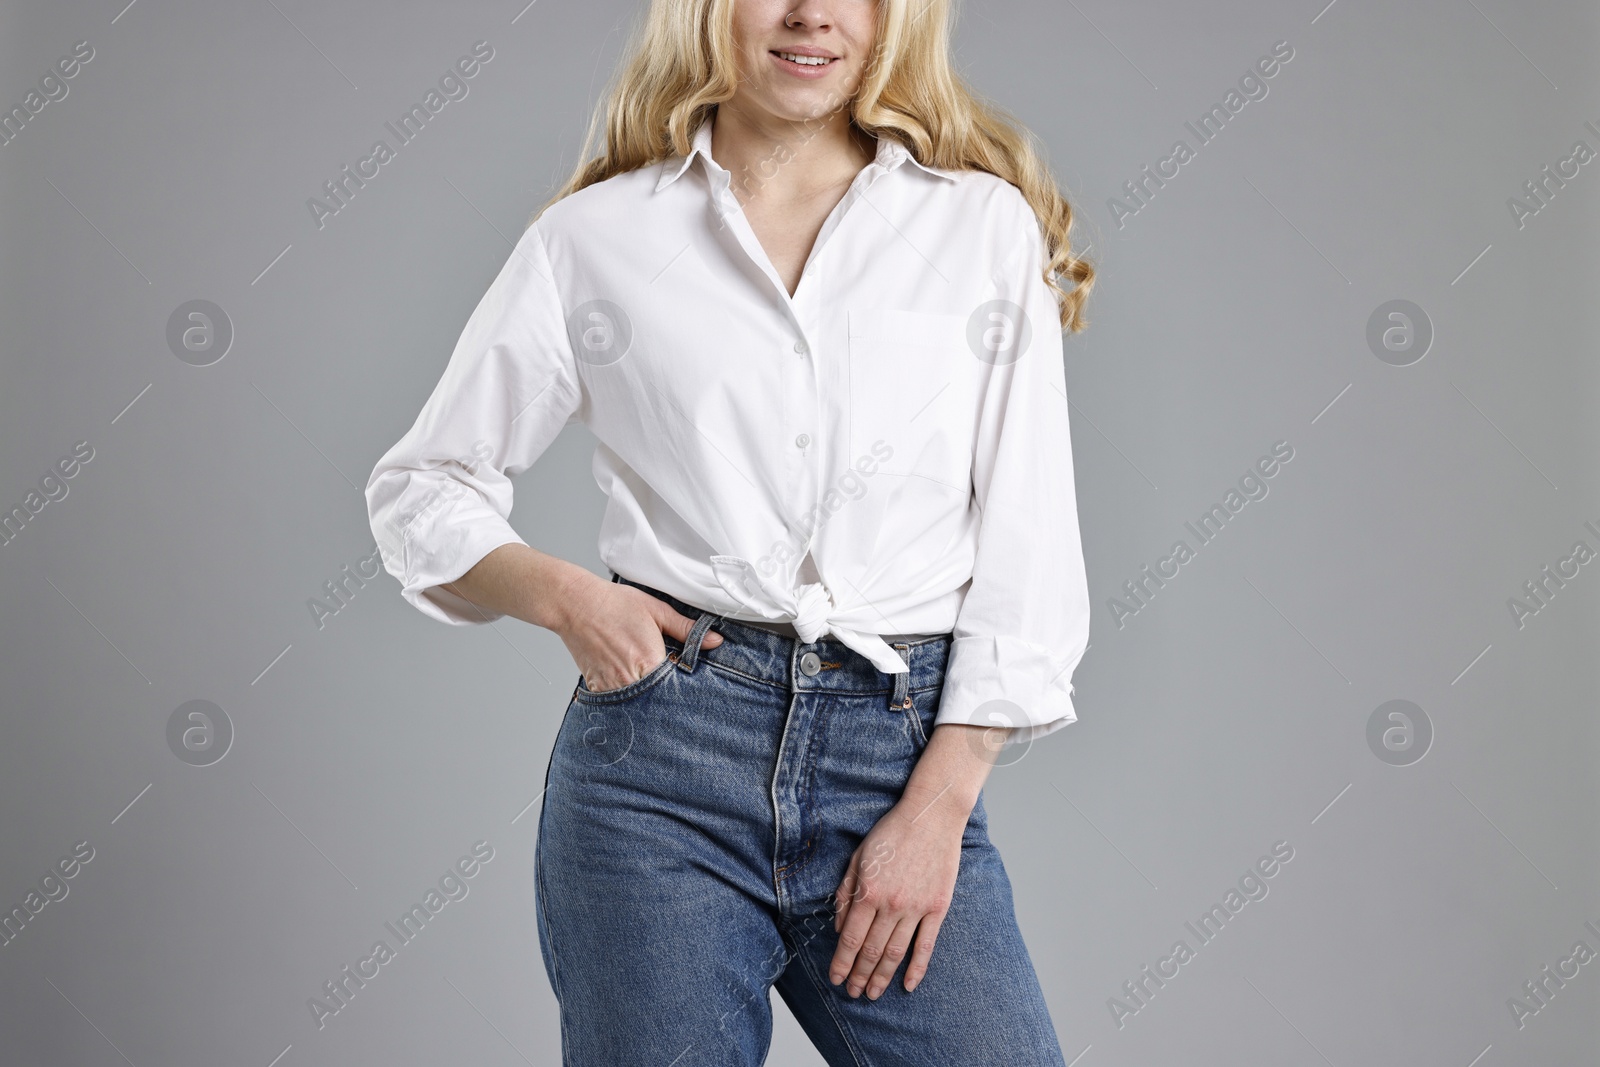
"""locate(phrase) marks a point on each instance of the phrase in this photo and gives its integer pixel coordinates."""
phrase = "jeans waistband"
(782, 661)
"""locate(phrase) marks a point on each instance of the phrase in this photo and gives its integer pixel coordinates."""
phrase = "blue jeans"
(696, 824)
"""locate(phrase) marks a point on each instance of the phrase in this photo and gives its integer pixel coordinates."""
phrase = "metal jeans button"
(810, 664)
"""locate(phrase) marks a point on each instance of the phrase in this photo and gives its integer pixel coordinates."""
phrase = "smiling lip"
(808, 50)
(804, 70)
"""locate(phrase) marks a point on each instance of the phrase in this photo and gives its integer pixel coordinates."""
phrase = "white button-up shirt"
(884, 452)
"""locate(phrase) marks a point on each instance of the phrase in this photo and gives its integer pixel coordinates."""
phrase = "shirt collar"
(891, 153)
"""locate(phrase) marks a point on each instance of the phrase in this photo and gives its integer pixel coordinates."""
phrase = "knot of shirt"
(813, 608)
(810, 609)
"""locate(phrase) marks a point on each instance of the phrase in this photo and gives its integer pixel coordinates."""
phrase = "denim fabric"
(695, 825)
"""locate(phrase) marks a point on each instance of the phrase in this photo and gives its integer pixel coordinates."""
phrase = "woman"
(807, 299)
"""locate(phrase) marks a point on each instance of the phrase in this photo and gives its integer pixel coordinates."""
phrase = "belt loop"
(691, 647)
(902, 682)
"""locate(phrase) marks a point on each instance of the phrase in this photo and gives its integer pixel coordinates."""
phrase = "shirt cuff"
(1009, 683)
(453, 547)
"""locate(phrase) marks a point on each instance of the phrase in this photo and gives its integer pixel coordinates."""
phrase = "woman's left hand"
(902, 877)
(899, 884)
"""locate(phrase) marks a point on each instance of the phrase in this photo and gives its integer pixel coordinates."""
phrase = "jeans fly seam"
(806, 799)
(777, 805)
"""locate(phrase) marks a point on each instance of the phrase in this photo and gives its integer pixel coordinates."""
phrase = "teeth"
(809, 61)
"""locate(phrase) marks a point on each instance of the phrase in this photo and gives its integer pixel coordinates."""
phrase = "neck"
(768, 156)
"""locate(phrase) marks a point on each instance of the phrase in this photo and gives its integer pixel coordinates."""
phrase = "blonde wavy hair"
(682, 64)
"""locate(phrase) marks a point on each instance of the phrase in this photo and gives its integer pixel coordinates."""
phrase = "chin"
(805, 106)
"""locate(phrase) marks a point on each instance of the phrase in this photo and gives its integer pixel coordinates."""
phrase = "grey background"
(1228, 714)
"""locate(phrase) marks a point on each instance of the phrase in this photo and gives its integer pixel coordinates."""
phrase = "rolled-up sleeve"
(440, 499)
(1024, 624)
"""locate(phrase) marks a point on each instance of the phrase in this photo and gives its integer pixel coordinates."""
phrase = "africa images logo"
(342, 188)
(1252, 85)
(1140, 590)
(453, 885)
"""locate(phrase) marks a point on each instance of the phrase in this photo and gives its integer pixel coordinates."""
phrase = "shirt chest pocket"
(914, 389)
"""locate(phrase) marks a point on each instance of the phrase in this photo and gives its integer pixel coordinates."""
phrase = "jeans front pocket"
(653, 677)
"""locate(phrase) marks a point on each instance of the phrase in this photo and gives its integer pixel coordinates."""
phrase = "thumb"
(678, 626)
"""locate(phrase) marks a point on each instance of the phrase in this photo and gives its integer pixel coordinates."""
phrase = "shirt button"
(803, 440)
(801, 347)
(810, 664)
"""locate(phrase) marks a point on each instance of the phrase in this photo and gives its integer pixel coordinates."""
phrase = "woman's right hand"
(613, 631)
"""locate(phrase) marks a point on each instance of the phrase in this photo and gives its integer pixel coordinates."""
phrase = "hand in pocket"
(614, 633)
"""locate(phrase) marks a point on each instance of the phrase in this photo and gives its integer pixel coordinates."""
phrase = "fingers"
(852, 928)
(894, 950)
(874, 952)
(875, 939)
(671, 622)
(863, 938)
(923, 951)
